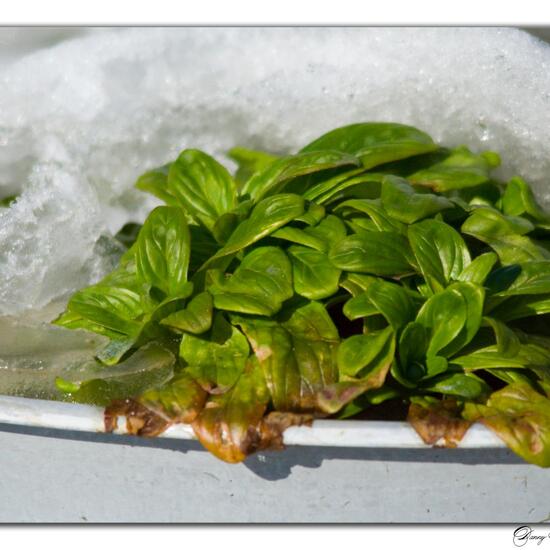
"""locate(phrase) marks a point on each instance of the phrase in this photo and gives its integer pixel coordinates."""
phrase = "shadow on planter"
(275, 465)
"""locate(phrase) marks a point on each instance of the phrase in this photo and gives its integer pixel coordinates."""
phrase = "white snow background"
(80, 120)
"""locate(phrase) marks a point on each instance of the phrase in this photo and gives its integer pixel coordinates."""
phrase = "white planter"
(58, 467)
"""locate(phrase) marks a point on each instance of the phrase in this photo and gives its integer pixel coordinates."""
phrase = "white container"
(57, 466)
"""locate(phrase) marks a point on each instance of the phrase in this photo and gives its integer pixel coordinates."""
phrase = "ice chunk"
(33, 353)
(79, 121)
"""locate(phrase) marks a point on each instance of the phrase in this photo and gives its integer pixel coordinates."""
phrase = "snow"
(80, 120)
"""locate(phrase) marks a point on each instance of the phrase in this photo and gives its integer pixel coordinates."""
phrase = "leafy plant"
(371, 266)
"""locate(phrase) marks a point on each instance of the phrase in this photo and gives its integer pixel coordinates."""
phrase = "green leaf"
(163, 246)
(373, 208)
(313, 215)
(532, 278)
(278, 174)
(368, 357)
(508, 344)
(156, 182)
(518, 199)
(328, 189)
(297, 355)
(453, 318)
(375, 143)
(403, 203)
(196, 318)
(444, 315)
(520, 416)
(202, 186)
(313, 275)
(116, 309)
(266, 217)
(413, 347)
(359, 306)
(320, 237)
(249, 162)
(465, 386)
(519, 307)
(460, 169)
(531, 354)
(148, 367)
(505, 235)
(219, 361)
(362, 354)
(440, 252)
(381, 253)
(478, 271)
(381, 297)
(259, 286)
(300, 236)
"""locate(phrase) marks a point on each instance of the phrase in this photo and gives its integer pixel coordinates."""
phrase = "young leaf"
(259, 286)
(368, 357)
(520, 416)
(279, 173)
(440, 252)
(375, 143)
(413, 347)
(196, 318)
(382, 253)
(202, 186)
(381, 297)
(320, 237)
(403, 203)
(162, 254)
(373, 208)
(361, 355)
(505, 235)
(460, 169)
(329, 189)
(300, 236)
(532, 278)
(313, 275)
(478, 271)
(508, 344)
(116, 309)
(464, 386)
(453, 318)
(518, 199)
(519, 307)
(266, 217)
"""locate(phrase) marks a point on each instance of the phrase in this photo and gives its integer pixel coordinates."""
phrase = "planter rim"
(41, 413)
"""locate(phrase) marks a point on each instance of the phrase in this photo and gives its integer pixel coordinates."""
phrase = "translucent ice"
(80, 120)
(32, 354)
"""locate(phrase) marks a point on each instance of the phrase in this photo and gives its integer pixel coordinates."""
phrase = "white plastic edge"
(327, 433)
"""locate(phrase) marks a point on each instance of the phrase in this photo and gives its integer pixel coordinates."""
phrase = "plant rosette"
(371, 267)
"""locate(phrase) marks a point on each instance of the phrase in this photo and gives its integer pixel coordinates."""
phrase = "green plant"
(373, 265)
